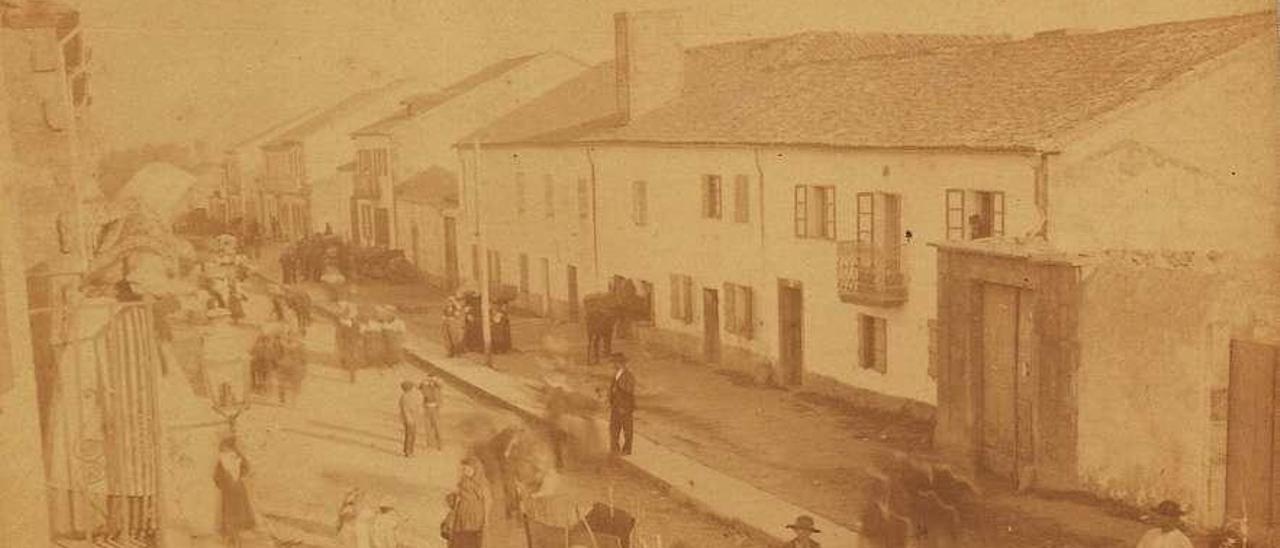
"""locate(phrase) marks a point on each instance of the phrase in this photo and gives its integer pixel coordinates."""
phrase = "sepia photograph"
(639, 274)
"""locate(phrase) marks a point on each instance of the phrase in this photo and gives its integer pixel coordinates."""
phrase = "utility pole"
(485, 274)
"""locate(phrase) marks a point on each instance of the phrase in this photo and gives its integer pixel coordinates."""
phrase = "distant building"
(242, 170)
(310, 151)
(784, 194)
(412, 148)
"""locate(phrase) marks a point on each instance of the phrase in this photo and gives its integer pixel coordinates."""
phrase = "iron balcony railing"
(870, 273)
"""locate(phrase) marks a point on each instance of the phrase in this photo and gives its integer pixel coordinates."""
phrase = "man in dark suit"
(622, 405)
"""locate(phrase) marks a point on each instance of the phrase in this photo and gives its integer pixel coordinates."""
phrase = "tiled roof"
(434, 186)
(350, 104)
(254, 140)
(1012, 94)
(423, 102)
(589, 102)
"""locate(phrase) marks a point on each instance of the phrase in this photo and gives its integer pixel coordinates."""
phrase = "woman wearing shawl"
(235, 513)
(393, 330)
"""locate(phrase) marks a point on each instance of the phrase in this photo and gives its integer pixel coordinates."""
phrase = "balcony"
(870, 274)
(367, 186)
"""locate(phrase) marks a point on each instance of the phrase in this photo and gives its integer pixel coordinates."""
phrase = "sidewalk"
(781, 451)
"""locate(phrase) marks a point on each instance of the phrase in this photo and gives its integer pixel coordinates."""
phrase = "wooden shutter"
(865, 217)
(746, 312)
(955, 214)
(997, 214)
(865, 338)
(829, 210)
(730, 314)
(802, 211)
(741, 201)
(524, 274)
(686, 295)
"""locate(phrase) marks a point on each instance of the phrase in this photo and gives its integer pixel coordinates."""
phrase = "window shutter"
(829, 202)
(955, 214)
(741, 201)
(687, 296)
(677, 311)
(802, 211)
(730, 317)
(746, 312)
(997, 213)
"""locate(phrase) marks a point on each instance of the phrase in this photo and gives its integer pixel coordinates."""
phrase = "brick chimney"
(649, 60)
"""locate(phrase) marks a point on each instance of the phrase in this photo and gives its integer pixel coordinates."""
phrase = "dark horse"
(603, 311)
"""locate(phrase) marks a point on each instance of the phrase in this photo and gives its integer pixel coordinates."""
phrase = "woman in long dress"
(235, 513)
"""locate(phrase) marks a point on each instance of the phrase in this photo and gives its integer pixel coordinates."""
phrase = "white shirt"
(617, 375)
(1158, 538)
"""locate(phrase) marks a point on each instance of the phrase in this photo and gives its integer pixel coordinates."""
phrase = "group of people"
(374, 339)
(379, 525)
(316, 257)
(420, 409)
(278, 357)
(462, 330)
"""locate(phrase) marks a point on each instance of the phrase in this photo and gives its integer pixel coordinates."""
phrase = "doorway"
(791, 331)
(573, 292)
(416, 237)
(451, 252)
(546, 287)
(1251, 441)
(710, 325)
(999, 411)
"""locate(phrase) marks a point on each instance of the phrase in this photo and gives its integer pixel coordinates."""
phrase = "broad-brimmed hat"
(387, 502)
(1170, 509)
(803, 523)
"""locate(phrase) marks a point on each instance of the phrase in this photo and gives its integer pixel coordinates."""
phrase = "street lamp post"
(485, 274)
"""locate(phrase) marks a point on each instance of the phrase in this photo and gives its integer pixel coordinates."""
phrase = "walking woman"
(235, 513)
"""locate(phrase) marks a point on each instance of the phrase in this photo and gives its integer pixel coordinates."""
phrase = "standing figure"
(353, 521)
(501, 330)
(300, 302)
(622, 405)
(1168, 532)
(473, 334)
(288, 266)
(235, 301)
(265, 356)
(393, 330)
(347, 337)
(235, 513)
(432, 393)
(450, 325)
(292, 369)
(410, 414)
(467, 521)
(804, 530)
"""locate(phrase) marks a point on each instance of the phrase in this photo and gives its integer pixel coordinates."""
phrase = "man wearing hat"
(1167, 533)
(622, 405)
(804, 529)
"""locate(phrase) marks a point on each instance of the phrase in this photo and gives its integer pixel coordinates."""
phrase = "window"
(524, 274)
(873, 351)
(646, 293)
(681, 298)
(639, 203)
(933, 349)
(741, 199)
(584, 199)
(519, 193)
(549, 196)
(373, 162)
(738, 312)
(711, 201)
(974, 214)
(366, 223)
(495, 268)
(815, 212)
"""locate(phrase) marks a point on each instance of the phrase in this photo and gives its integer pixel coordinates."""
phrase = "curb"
(748, 507)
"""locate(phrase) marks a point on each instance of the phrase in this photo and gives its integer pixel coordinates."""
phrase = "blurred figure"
(1168, 532)
(466, 528)
(432, 393)
(804, 531)
(393, 331)
(411, 411)
(386, 525)
(347, 338)
(451, 326)
(354, 521)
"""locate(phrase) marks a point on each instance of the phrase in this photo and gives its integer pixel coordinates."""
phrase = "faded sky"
(177, 70)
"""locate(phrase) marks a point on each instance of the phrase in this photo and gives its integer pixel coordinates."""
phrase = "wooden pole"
(486, 275)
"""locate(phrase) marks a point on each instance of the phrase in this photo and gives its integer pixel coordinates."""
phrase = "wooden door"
(546, 287)
(573, 291)
(382, 227)
(999, 425)
(451, 251)
(710, 325)
(791, 332)
(1251, 441)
